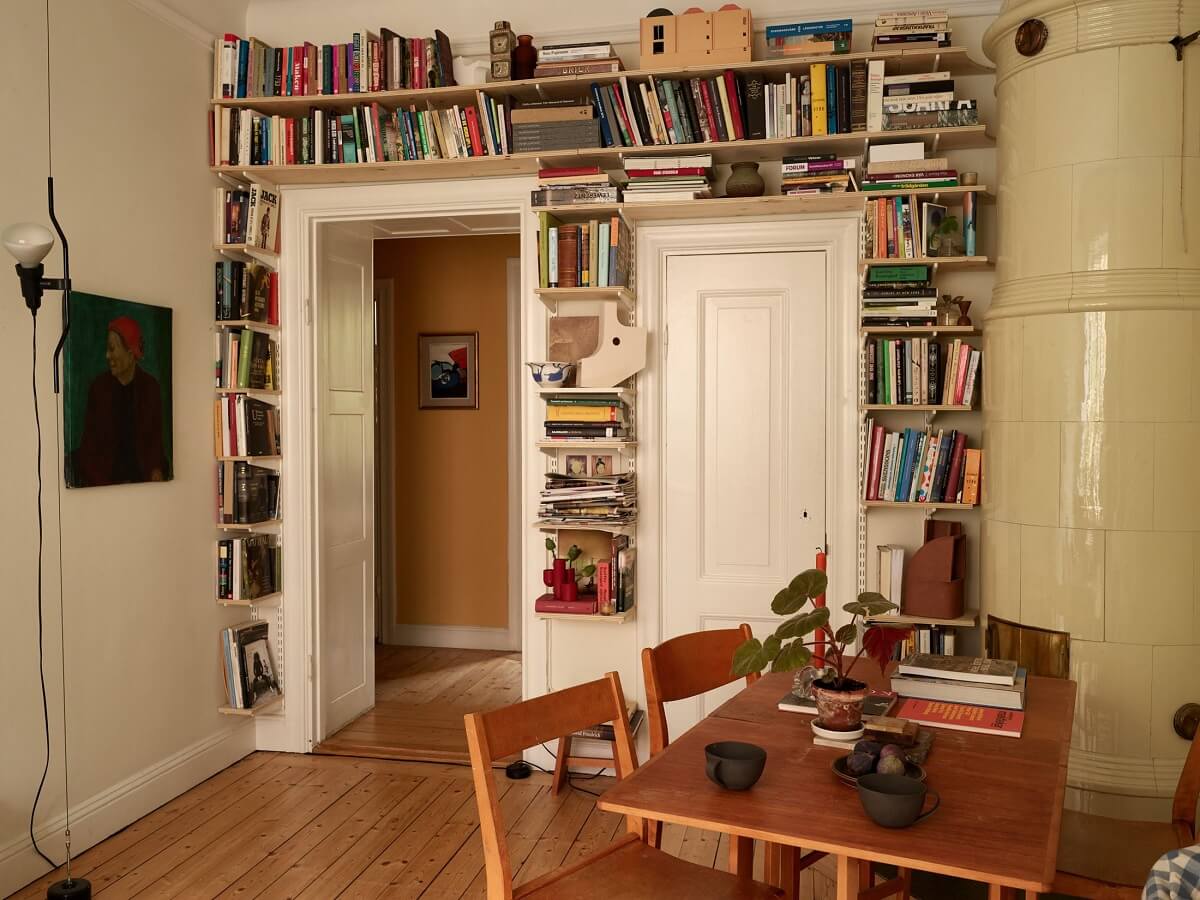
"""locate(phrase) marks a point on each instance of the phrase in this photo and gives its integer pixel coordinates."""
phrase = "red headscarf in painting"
(130, 334)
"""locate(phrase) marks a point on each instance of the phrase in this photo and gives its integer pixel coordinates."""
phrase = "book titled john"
(960, 668)
(962, 717)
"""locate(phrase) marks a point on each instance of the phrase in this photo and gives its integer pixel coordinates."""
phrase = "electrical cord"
(37, 420)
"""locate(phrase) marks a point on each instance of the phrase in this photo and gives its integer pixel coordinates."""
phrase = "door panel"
(744, 428)
(345, 670)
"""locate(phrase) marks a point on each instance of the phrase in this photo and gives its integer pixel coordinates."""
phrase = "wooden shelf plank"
(258, 253)
(955, 60)
(966, 330)
(586, 444)
(250, 392)
(257, 601)
(551, 297)
(901, 504)
(249, 526)
(958, 191)
(958, 262)
(915, 407)
(543, 525)
(267, 706)
(614, 619)
(248, 458)
(723, 152)
(245, 323)
(966, 621)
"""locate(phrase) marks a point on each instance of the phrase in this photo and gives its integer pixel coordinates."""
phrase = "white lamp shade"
(28, 243)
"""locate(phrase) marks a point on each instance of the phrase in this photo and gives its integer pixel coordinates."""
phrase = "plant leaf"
(805, 623)
(809, 583)
(879, 642)
(550, 544)
(771, 646)
(587, 571)
(787, 602)
(749, 657)
(847, 634)
(793, 656)
(869, 603)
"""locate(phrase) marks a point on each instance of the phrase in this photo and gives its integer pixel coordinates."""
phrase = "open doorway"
(447, 626)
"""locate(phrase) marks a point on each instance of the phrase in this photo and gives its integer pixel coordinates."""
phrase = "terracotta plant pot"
(839, 709)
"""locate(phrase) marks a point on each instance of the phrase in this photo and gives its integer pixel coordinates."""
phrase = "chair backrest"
(1041, 651)
(685, 666)
(1187, 794)
(502, 732)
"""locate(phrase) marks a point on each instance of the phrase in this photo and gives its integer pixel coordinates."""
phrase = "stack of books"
(961, 693)
(921, 372)
(925, 29)
(909, 175)
(249, 671)
(821, 173)
(898, 295)
(810, 38)
(574, 186)
(580, 501)
(248, 567)
(583, 416)
(554, 125)
(914, 466)
(586, 254)
(245, 359)
(654, 178)
(585, 58)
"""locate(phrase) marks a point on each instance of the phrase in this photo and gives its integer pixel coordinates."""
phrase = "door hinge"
(666, 339)
(307, 310)
(308, 666)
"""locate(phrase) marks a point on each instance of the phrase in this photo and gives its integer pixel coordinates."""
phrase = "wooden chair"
(627, 867)
(1108, 859)
(1041, 651)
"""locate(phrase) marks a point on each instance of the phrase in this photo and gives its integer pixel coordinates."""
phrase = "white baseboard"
(112, 809)
(463, 637)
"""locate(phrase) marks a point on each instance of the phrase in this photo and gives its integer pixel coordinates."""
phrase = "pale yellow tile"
(1149, 587)
(1176, 478)
(1117, 214)
(1069, 132)
(1037, 486)
(1056, 367)
(1138, 365)
(1005, 365)
(1000, 565)
(1062, 580)
(1149, 97)
(1042, 243)
(1001, 441)
(1181, 197)
(1105, 472)
(1117, 806)
(1191, 89)
(1175, 681)
(1112, 706)
(1196, 589)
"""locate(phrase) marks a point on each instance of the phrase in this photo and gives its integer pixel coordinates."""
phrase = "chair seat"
(1112, 851)
(631, 868)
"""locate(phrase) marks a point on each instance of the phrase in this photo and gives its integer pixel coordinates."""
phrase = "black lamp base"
(70, 889)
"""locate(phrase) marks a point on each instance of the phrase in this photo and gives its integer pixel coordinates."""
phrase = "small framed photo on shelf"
(447, 371)
(602, 464)
(577, 465)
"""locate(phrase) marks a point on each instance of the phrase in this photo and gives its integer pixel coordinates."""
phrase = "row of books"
(935, 639)
(598, 253)
(247, 666)
(961, 679)
(369, 61)
(246, 291)
(921, 372)
(898, 295)
(245, 426)
(580, 501)
(818, 173)
(248, 215)
(248, 567)
(245, 359)
(809, 38)
(367, 133)
(904, 227)
(574, 186)
(913, 466)
(246, 493)
(912, 30)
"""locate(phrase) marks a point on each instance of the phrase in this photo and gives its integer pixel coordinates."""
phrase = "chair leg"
(741, 856)
(654, 832)
(561, 766)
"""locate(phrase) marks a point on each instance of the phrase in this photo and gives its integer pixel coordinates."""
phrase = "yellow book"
(820, 113)
(580, 413)
(725, 108)
(973, 462)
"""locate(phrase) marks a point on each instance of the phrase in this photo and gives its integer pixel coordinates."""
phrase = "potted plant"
(947, 240)
(839, 697)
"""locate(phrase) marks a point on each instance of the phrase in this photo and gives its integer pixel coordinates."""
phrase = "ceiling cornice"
(175, 19)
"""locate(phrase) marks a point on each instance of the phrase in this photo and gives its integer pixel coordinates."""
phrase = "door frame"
(304, 211)
(838, 237)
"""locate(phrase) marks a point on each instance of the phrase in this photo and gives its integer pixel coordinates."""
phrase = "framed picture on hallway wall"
(448, 371)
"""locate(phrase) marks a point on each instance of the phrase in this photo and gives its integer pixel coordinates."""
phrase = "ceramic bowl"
(552, 373)
(911, 770)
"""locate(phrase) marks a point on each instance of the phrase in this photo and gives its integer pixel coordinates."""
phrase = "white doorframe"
(385, 460)
(303, 211)
(838, 237)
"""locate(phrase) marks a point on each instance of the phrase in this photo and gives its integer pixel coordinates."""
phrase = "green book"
(245, 356)
(909, 185)
(885, 357)
(885, 274)
(545, 223)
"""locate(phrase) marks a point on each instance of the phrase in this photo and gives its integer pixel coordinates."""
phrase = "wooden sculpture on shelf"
(933, 578)
(621, 352)
(695, 38)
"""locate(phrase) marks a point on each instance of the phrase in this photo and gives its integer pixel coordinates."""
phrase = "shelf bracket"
(937, 139)
(937, 62)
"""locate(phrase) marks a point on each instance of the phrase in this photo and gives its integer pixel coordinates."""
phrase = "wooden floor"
(283, 825)
(421, 695)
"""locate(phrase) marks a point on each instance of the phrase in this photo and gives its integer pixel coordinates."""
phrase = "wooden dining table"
(1001, 797)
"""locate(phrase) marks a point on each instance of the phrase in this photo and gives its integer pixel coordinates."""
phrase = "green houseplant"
(839, 697)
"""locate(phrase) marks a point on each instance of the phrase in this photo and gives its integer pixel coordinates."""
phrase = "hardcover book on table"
(947, 689)
(960, 668)
(961, 717)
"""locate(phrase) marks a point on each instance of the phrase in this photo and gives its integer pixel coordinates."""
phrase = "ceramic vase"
(568, 591)
(559, 577)
(964, 319)
(745, 181)
(841, 709)
(524, 59)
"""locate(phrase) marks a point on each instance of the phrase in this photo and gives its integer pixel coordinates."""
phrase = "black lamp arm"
(62, 284)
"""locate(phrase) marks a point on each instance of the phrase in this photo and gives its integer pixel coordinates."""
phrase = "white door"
(345, 671)
(744, 431)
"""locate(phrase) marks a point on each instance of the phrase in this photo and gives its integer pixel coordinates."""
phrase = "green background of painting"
(84, 359)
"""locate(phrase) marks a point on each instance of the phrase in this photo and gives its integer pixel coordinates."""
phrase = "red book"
(955, 474)
(378, 132)
(604, 581)
(289, 140)
(735, 108)
(713, 118)
(304, 69)
(651, 173)
(339, 67)
(473, 128)
(568, 172)
(296, 60)
(273, 299)
(960, 375)
(547, 604)
(619, 103)
(313, 83)
(876, 466)
(961, 716)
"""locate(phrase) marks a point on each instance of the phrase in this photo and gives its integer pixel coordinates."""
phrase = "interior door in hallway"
(744, 439)
(345, 670)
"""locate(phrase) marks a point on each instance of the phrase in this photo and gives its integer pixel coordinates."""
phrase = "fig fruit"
(871, 747)
(859, 763)
(890, 765)
(892, 750)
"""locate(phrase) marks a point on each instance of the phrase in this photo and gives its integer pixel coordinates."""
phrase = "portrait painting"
(602, 464)
(576, 465)
(117, 392)
(448, 371)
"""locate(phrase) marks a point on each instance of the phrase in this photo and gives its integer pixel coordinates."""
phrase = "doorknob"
(1187, 718)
